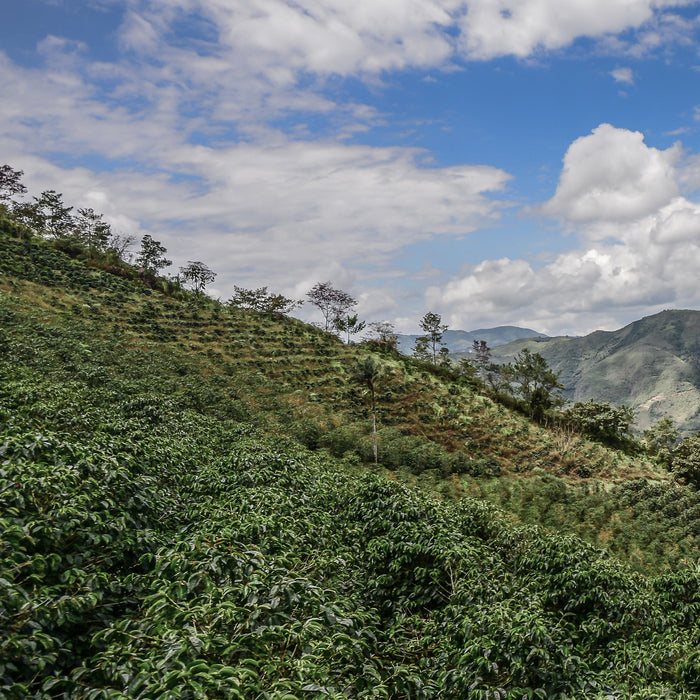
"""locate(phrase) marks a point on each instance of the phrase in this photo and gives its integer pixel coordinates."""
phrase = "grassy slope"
(161, 539)
(652, 365)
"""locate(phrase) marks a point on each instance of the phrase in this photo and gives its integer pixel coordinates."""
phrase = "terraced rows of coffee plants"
(152, 549)
(165, 530)
(294, 379)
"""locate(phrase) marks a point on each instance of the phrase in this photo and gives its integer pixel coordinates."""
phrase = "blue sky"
(531, 163)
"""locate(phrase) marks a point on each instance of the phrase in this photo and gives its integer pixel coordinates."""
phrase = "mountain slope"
(651, 365)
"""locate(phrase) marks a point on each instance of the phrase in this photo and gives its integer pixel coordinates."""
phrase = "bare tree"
(119, 244)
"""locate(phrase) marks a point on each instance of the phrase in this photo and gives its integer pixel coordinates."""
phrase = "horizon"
(533, 164)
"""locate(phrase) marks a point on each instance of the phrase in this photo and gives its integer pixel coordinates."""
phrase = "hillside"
(651, 365)
(188, 508)
(461, 341)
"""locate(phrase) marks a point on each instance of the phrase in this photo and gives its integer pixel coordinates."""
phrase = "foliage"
(685, 461)
(349, 324)
(601, 421)
(262, 301)
(51, 215)
(368, 373)
(383, 335)
(333, 303)
(151, 257)
(533, 381)
(10, 183)
(160, 538)
(198, 275)
(430, 346)
(482, 357)
(661, 439)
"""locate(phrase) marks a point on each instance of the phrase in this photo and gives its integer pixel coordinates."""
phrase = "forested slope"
(651, 365)
(165, 533)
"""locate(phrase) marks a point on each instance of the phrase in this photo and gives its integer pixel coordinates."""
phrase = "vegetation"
(262, 301)
(650, 365)
(198, 275)
(334, 304)
(190, 507)
(429, 347)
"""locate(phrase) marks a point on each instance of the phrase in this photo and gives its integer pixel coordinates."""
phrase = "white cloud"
(280, 39)
(273, 210)
(623, 75)
(639, 247)
(613, 175)
(493, 28)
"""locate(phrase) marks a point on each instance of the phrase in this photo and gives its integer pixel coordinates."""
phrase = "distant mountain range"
(461, 341)
(651, 365)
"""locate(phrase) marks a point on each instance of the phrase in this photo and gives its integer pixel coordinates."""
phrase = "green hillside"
(651, 365)
(189, 509)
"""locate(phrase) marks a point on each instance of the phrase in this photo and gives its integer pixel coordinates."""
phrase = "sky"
(498, 162)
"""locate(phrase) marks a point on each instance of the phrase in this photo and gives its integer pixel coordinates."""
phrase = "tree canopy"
(262, 301)
(198, 275)
(333, 303)
(430, 346)
(533, 381)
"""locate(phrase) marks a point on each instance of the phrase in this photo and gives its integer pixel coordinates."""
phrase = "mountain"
(189, 508)
(461, 341)
(651, 365)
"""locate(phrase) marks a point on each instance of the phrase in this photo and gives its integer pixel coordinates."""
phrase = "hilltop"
(189, 508)
(651, 365)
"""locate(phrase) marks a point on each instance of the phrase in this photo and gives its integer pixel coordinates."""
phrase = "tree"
(368, 372)
(332, 302)
(661, 439)
(119, 244)
(92, 231)
(198, 275)
(466, 367)
(430, 346)
(383, 334)
(350, 325)
(151, 257)
(56, 219)
(482, 357)
(685, 465)
(533, 381)
(262, 301)
(10, 183)
(27, 214)
(600, 421)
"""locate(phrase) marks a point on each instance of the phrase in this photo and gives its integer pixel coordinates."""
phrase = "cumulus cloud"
(639, 248)
(613, 175)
